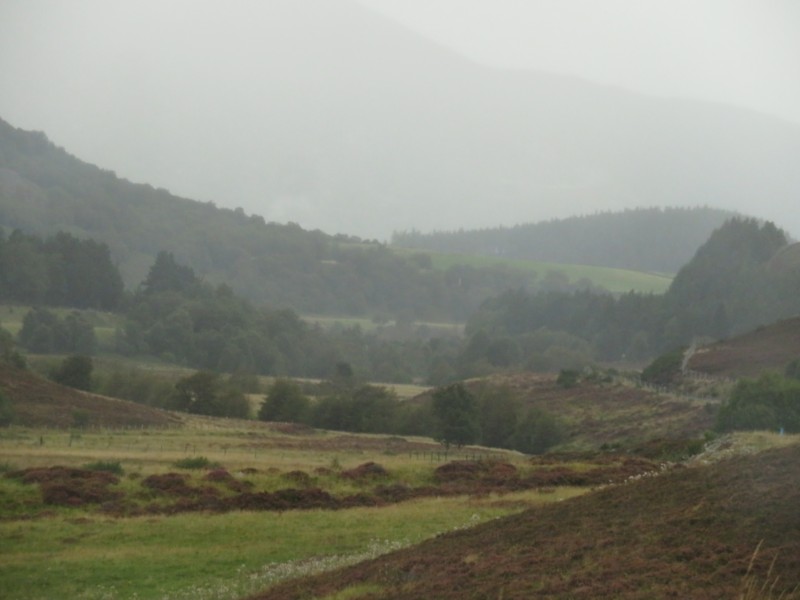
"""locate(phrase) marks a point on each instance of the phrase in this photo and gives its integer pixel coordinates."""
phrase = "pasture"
(617, 281)
(212, 525)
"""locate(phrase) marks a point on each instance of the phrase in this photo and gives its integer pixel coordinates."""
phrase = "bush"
(770, 402)
(105, 466)
(284, 401)
(195, 462)
(6, 411)
(75, 371)
(80, 419)
(665, 369)
(538, 432)
(568, 378)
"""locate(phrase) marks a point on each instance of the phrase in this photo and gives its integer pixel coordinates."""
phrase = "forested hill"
(644, 239)
(45, 190)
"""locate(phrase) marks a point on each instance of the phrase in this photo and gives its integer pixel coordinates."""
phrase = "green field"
(54, 551)
(614, 280)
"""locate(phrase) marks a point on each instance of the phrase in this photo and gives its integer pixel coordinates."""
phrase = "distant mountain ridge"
(644, 239)
(330, 115)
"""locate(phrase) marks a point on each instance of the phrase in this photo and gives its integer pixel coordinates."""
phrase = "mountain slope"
(690, 533)
(43, 190)
(324, 113)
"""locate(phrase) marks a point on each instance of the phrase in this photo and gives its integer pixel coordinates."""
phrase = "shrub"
(80, 418)
(538, 431)
(568, 378)
(6, 411)
(75, 372)
(195, 462)
(664, 369)
(769, 402)
(105, 466)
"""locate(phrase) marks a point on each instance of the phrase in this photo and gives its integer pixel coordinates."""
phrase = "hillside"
(720, 531)
(37, 402)
(642, 239)
(611, 413)
(771, 347)
(43, 189)
(329, 115)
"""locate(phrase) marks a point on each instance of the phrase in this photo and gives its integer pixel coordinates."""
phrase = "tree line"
(642, 239)
(60, 270)
(454, 414)
(730, 286)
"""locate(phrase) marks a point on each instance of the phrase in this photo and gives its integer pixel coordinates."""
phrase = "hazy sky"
(285, 107)
(743, 52)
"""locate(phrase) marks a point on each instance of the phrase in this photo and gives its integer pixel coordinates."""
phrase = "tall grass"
(766, 588)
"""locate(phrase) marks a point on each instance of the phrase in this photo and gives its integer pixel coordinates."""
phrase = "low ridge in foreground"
(722, 531)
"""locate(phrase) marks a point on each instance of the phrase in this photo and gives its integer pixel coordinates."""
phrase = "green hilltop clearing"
(617, 281)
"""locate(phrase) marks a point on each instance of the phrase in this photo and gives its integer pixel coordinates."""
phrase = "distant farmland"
(617, 281)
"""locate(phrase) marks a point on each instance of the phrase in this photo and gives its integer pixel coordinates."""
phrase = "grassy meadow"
(152, 550)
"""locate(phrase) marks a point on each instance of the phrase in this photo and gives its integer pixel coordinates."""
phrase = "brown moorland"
(612, 412)
(37, 402)
(701, 532)
(767, 348)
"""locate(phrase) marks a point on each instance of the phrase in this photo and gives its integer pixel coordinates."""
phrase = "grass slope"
(690, 533)
(766, 348)
(613, 279)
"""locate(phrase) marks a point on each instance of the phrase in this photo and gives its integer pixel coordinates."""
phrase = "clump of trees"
(61, 270)
(454, 414)
(44, 332)
(665, 369)
(177, 316)
(8, 351)
(284, 401)
(206, 393)
(455, 411)
(75, 371)
(770, 402)
(728, 287)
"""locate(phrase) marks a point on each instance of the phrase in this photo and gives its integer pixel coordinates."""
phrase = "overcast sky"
(742, 52)
(244, 102)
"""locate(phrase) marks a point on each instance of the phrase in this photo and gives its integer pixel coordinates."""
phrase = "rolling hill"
(643, 239)
(43, 189)
(768, 348)
(615, 413)
(37, 402)
(721, 531)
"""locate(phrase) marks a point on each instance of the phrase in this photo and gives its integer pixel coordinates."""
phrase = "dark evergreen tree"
(456, 413)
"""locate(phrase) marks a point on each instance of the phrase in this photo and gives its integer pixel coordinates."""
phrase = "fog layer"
(325, 113)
